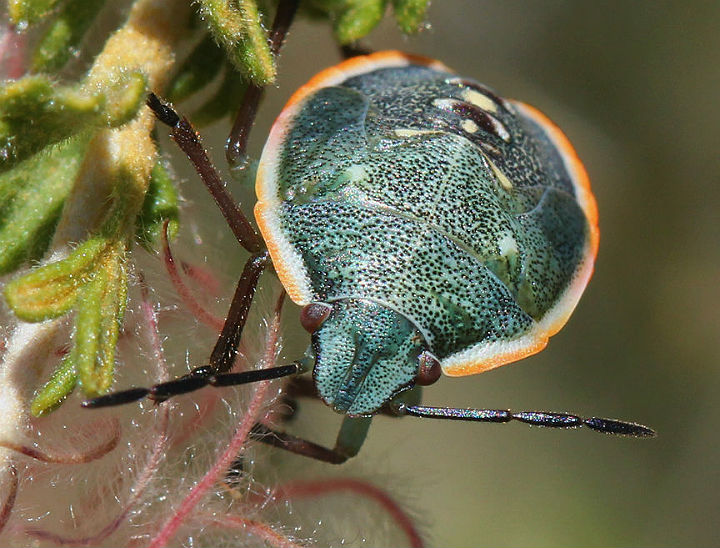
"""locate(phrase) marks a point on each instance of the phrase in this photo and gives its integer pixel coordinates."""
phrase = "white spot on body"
(500, 129)
(479, 100)
(501, 177)
(356, 173)
(507, 245)
(469, 126)
(414, 132)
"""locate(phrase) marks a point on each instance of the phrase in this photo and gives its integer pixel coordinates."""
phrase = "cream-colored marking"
(500, 128)
(414, 132)
(445, 104)
(450, 105)
(479, 100)
(356, 173)
(507, 245)
(469, 126)
(504, 181)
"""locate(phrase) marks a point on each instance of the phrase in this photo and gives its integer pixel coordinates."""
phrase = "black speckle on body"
(388, 197)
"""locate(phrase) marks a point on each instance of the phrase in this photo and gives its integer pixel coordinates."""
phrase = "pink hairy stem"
(195, 308)
(12, 53)
(91, 454)
(10, 497)
(202, 276)
(316, 488)
(257, 528)
(159, 446)
(237, 443)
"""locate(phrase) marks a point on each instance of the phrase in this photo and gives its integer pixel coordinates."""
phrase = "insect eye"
(313, 315)
(429, 371)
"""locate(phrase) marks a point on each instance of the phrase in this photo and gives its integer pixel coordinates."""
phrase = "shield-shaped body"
(391, 180)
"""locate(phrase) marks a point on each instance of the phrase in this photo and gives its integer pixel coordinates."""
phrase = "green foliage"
(238, 28)
(410, 14)
(59, 112)
(28, 12)
(200, 67)
(62, 38)
(91, 361)
(98, 318)
(50, 131)
(51, 290)
(26, 222)
(354, 19)
(218, 105)
(161, 204)
(55, 390)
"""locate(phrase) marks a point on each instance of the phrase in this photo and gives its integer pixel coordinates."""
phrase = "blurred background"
(635, 87)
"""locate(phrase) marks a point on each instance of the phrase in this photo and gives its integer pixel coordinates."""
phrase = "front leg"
(223, 354)
(189, 142)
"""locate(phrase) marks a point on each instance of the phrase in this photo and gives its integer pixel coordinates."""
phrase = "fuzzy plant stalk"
(144, 44)
(84, 192)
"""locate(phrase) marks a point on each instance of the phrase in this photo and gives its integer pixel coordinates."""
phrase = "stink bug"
(425, 224)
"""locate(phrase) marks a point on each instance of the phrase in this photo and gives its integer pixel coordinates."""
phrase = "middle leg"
(222, 356)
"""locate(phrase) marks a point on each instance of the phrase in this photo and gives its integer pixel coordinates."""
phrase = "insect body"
(431, 215)
(425, 224)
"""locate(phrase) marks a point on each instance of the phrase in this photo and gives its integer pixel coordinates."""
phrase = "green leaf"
(237, 26)
(160, 205)
(61, 40)
(354, 19)
(123, 99)
(357, 18)
(198, 70)
(100, 309)
(31, 198)
(28, 12)
(51, 290)
(410, 14)
(59, 112)
(56, 389)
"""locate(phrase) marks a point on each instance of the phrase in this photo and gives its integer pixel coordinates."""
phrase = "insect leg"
(348, 443)
(196, 379)
(536, 418)
(222, 356)
(245, 118)
(189, 142)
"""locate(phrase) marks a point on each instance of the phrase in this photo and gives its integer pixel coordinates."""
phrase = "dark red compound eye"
(313, 316)
(429, 371)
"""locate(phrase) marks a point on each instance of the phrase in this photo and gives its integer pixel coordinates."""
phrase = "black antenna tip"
(620, 428)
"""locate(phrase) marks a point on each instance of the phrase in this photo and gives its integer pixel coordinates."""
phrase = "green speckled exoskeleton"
(425, 224)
